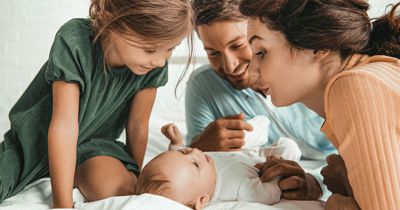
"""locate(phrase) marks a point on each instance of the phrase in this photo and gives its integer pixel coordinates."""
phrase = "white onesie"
(238, 179)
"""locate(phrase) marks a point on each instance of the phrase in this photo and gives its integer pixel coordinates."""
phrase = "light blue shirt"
(209, 97)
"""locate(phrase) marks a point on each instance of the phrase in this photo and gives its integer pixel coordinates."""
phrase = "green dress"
(105, 98)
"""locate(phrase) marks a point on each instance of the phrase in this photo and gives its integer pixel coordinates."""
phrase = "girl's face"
(140, 58)
(288, 75)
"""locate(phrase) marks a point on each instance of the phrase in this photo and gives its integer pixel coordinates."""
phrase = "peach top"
(362, 107)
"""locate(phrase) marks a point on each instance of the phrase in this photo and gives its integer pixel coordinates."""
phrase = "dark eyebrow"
(230, 42)
(254, 37)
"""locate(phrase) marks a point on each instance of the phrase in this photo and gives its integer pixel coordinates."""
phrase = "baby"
(195, 179)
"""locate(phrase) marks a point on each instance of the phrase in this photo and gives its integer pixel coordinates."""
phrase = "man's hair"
(209, 11)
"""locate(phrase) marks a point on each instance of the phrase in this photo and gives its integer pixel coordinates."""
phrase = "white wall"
(27, 28)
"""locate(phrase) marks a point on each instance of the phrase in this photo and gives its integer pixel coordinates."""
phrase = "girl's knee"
(104, 177)
(106, 190)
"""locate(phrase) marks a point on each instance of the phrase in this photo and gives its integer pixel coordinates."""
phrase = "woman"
(327, 55)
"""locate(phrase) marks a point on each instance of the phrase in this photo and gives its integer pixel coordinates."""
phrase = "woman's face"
(288, 75)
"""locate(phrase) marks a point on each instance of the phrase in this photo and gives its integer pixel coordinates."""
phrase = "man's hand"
(224, 134)
(340, 202)
(335, 176)
(294, 182)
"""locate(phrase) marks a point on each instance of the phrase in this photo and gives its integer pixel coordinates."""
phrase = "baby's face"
(191, 173)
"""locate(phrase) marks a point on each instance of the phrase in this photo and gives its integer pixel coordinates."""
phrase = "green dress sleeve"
(64, 63)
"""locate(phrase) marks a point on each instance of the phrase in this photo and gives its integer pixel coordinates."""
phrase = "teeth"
(239, 73)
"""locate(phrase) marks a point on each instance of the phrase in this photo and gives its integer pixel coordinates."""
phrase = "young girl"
(328, 55)
(101, 76)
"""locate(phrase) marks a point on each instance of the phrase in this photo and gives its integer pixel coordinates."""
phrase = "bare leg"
(102, 177)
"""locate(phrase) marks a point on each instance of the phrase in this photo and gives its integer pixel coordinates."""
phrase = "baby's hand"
(173, 134)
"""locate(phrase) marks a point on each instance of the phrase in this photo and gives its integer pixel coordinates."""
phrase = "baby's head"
(187, 176)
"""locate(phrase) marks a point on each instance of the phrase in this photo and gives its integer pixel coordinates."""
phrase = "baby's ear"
(202, 202)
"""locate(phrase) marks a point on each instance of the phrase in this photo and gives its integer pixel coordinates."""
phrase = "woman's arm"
(364, 116)
(138, 123)
(62, 141)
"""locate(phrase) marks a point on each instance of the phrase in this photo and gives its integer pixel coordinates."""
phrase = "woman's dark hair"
(209, 11)
(385, 37)
(338, 25)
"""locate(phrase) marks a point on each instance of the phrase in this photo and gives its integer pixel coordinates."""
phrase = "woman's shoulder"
(378, 66)
(376, 77)
(378, 70)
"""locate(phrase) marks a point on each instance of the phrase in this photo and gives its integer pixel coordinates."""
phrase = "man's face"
(228, 51)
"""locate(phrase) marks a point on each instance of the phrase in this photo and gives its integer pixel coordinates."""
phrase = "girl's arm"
(62, 141)
(138, 123)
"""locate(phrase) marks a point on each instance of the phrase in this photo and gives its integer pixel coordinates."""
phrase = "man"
(219, 100)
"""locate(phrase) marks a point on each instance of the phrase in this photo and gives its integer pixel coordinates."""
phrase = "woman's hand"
(340, 202)
(294, 182)
(335, 176)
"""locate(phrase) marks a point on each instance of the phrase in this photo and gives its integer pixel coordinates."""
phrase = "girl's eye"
(196, 164)
(150, 51)
(261, 53)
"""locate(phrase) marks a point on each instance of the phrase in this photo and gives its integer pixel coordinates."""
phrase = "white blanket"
(37, 196)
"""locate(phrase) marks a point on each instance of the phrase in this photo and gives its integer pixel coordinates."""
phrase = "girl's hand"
(335, 176)
(340, 202)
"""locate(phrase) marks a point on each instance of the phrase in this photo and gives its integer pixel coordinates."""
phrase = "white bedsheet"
(37, 196)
